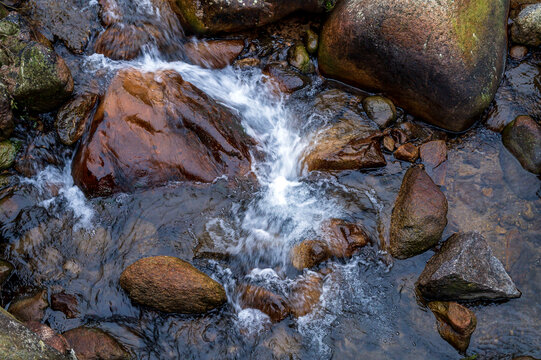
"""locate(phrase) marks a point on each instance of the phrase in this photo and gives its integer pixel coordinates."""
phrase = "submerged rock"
(419, 215)
(466, 269)
(49, 336)
(73, 117)
(152, 128)
(344, 238)
(526, 28)
(390, 46)
(213, 54)
(380, 109)
(309, 253)
(30, 308)
(65, 303)
(5, 271)
(305, 293)
(522, 138)
(255, 297)
(171, 285)
(456, 323)
(95, 344)
(434, 158)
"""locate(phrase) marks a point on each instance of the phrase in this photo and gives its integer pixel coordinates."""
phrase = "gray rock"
(522, 138)
(380, 109)
(465, 269)
(527, 27)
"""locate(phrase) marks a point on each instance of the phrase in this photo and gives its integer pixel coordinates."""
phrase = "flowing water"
(243, 234)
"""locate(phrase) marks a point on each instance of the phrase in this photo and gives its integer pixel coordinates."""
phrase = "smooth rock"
(311, 41)
(95, 344)
(522, 138)
(171, 285)
(466, 269)
(434, 158)
(440, 61)
(407, 152)
(287, 81)
(213, 54)
(298, 58)
(5, 271)
(309, 253)
(456, 323)
(8, 152)
(72, 118)
(344, 238)
(518, 52)
(65, 303)
(30, 308)
(49, 336)
(255, 297)
(305, 293)
(152, 128)
(526, 29)
(380, 109)
(419, 215)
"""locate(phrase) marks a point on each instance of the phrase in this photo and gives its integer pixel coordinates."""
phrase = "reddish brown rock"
(389, 143)
(124, 41)
(72, 118)
(305, 293)
(213, 54)
(309, 253)
(419, 215)
(518, 52)
(456, 323)
(434, 158)
(148, 132)
(49, 336)
(288, 81)
(65, 303)
(171, 285)
(95, 344)
(344, 238)
(255, 297)
(407, 152)
(30, 308)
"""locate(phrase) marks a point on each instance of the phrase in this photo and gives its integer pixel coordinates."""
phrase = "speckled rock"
(8, 151)
(72, 118)
(95, 344)
(30, 308)
(298, 58)
(466, 269)
(49, 336)
(526, 29)
(522, 138)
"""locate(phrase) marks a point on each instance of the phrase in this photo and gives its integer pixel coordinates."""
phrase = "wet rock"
(407, 152)
(33, 74)
(7, 122)
(518, 52)
(110, 13)
(95, 344)
(124, 41)
(18, 342)
(49, 336)
(288, 81)
(247, 62)
(418, 132)
(419, 215)
(255, 297)
(389, 144)
(30, 308)
(434, 157)
(465, 269)
(344, 238)
(309, 253)
(70, 21)
(152, 128)
(311, 40)
(43, 150)
(203, 17)
(522, 138)
(73, 117)
(456, 323)
(380, 109)
(526, 29)
(389, 46)
(305, 293)
(213, 54)
(281, 343)
(170, 284)
(8, 152)
(5, 271)
(345, 146)
(298, 57)
(65, 303)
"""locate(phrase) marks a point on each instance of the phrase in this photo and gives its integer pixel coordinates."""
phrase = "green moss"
(470, 14)
(8, 151)
(328, 5)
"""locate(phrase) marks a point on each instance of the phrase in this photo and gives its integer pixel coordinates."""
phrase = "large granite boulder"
(466, 269)
(440, 60)
(152, 128)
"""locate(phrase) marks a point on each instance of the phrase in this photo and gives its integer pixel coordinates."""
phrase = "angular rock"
(309, 253)
(49, 336)
(305, 293)
(419, 215)
(65, 303)
(5, 271)
(95, 344)
(17, 342)
(213, 16)
(255, 297)
(8, 151)
(441, 61)
(288, 81)
(380, 109)
(30, 308)
(407, 152)
(434, 157)
(148, 132)
(344, 239)
(72, 118)
(456, 323)
(466, 269)
(526, 28)
(171, 285)
(522, 138)
(213, 54)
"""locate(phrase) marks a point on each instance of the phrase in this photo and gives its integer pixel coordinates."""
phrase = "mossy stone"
(8, 151)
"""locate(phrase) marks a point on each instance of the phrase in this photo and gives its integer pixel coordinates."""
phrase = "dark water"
(242, 232)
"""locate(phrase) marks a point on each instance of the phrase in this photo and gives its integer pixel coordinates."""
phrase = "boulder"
(8, 152)
(456, 323)
(213, 54)
(18, 342)
(49, 336)
(65, 303)
(95, 344)
(407, 152)
(152, 128)
(419, 215)
(522, 138)
(30, 308)
(526, 28)
(441, 61)
(255, 297)
(213, 16)
(380, 109)
(434, 158)
(5, 271)
(72, 118)
(466, 269)
(171, 285)
(309, 253)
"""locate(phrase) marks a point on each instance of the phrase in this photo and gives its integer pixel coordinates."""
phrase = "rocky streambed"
(270, 180)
